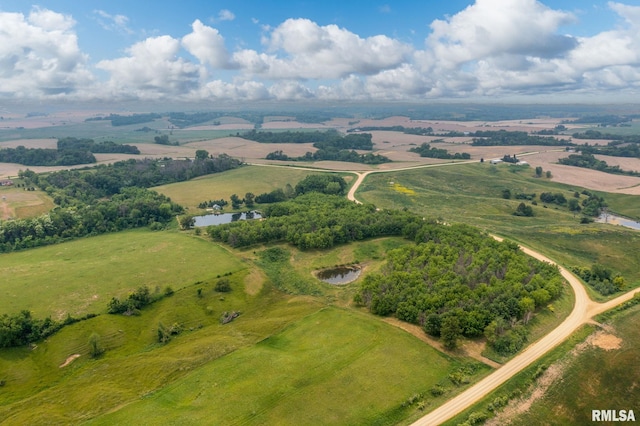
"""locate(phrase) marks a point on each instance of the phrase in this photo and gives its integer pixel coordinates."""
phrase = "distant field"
(472, 194)
(332, 367)
(256, 179)
(103, 130)
(81, 276)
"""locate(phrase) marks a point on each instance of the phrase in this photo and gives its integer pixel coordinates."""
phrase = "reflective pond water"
(219, 219)
(618, 220)
(339, 275)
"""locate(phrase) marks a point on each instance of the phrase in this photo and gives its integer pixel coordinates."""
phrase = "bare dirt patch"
(520, 406)
(604, 340)
(69, 360)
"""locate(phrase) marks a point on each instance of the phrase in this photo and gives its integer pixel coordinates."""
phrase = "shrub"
(223, 285)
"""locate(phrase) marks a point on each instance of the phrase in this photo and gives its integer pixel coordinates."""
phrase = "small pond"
(219, 219)
(339, 275)
(618, 220)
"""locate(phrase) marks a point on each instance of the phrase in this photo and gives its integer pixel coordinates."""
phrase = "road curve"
(583, 311)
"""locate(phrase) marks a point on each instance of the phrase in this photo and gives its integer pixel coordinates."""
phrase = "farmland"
(299, 347)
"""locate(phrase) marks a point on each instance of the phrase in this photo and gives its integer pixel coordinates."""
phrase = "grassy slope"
(333, 367)
(473, 194)
(81, 276)
(38, 391)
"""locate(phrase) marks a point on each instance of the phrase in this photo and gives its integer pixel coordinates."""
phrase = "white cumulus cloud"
(206, 44)
(302, 49)
(152, 70)
(39, 55)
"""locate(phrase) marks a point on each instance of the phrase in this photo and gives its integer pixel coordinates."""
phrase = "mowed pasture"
(332, 367)
(81, 276)
(472, 194)
(18, 203)
(282, 354)
(255, 179)
(58, 382)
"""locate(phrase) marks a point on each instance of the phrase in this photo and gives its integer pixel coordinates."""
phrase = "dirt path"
(470, 349)
(583, 311)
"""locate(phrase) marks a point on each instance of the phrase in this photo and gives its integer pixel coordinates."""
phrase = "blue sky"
(554, 50)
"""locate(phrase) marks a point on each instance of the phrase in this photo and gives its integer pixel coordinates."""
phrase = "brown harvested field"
(243, 148)
(586, 178)
(625, 163)
(31, 143)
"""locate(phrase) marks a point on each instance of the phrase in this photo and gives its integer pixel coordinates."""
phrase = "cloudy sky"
(335, 50)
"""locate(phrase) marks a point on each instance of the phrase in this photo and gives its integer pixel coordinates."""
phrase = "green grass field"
(293, 356)
(81, 276)
(254, 179)
(332, 367)
(37, 390)
(473, 194)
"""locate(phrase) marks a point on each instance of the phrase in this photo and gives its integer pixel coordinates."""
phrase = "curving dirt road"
(583, 310)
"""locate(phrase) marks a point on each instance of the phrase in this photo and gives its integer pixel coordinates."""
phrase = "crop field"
(472, 194)
(81, 276)
(358, 370)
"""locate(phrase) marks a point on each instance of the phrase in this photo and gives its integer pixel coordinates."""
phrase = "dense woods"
(90, 145)
(45, 156)
(105, 199)
(503, 137)
(457, 281)
(316, 221)
(426, 150)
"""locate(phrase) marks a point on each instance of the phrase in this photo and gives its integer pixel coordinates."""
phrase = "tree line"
(426, 150)
(125, 120)
(503, 137)
(589, 161)
(69, 152)
(105, 147)
(331, 146)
